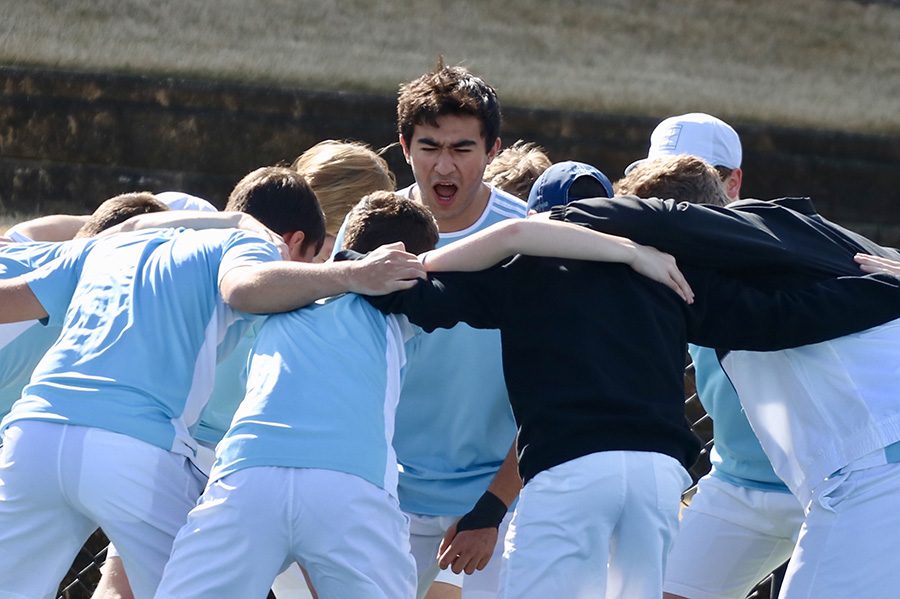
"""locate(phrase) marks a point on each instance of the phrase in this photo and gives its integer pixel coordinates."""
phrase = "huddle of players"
(592, 356)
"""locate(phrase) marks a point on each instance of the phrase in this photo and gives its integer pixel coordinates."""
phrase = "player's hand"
(875, 264)
(467, 551)
(661, 267)
(387, 269)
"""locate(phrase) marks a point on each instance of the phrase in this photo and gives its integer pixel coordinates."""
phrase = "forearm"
(283, 286)
(180, 218)
(507, 484)
(18, 303)
(55, 227)
(533, 237)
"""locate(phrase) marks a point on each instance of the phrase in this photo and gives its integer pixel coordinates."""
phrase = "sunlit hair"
(341, 173)
(385, 217)
(682, 178)
(448, 91)
(118, 209)
(516, 168)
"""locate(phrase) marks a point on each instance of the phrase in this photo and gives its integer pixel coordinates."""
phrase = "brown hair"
(340, 173)
(118, 209)
(448, 90)
(517, 167)
(282, 200)
(385, 217)
(683, 178)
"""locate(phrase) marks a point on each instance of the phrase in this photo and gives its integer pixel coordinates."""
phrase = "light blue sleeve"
(53, 284)
(245, 249)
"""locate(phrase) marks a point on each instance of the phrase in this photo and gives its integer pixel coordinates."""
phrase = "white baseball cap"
(697, 134)
(177, 200)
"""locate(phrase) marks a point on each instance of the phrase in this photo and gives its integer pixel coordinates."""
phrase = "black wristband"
(488, 512)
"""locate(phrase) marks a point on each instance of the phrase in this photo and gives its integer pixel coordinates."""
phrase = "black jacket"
(593, 353)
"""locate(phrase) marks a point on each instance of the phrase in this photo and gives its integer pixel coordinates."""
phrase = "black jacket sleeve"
(730, 315)
(747, 235)
(700, 235)
(448, 298)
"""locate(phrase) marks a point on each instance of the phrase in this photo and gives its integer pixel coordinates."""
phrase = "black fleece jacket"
(593, 353)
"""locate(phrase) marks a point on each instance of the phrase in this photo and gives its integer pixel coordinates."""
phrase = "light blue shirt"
(22, 344)
(142, 318)
(454, 421)
(737, 457)
(322, 390)
(228, 390)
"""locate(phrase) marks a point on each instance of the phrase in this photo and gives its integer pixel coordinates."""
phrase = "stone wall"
(69, 140)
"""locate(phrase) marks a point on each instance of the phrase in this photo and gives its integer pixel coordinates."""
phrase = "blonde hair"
(682, 178)
(516, 168)
(340, 173)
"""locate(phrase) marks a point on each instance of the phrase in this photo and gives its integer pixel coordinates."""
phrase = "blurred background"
(101, 96)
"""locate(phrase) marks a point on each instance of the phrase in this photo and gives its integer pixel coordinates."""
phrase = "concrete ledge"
(72, 139)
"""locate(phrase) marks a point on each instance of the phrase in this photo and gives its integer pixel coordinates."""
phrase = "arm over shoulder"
(730, 315)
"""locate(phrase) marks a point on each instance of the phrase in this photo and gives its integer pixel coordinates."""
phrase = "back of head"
(281, 199)
(682, 178)
(448, 91)
(515, 169)
(567, 181)
(340, 173)
(698, 134)
(386, 217)
(118, 209)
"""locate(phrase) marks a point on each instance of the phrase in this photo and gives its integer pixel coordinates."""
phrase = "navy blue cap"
(554, 186)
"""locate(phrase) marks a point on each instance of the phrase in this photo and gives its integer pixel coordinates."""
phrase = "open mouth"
(444, 193)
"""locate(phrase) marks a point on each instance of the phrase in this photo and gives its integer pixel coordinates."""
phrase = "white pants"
(425, 535)
(58, 483)
(290, 584)
(349, 534)
(850, 543)
(600, 525)
(730, 538)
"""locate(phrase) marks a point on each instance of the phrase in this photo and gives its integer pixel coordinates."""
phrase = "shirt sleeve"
(730, 315)
(246, 249)
(446, 299)
(701, 235)
(54, 283)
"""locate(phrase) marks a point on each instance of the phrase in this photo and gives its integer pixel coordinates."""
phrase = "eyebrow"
(464, 143)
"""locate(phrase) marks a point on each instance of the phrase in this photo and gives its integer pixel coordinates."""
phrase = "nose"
(444, 164)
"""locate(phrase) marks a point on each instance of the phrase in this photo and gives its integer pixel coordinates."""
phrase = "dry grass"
(820, 63)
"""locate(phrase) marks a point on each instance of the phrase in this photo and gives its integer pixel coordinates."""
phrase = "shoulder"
(506, 205)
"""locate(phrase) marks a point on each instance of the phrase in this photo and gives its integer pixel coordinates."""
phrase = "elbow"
(241, 293)
(238, 298)
(513, 232)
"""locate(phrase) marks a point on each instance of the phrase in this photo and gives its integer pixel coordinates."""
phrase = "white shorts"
(58, 483)
(349, 534)
(290, 584)
(848, 544)
(730, 538)
(425, 535)
(596, 526)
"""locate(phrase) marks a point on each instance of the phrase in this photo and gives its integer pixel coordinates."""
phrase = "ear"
(405, 149)
(733, 184)
(492, 153)
(294, 241)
